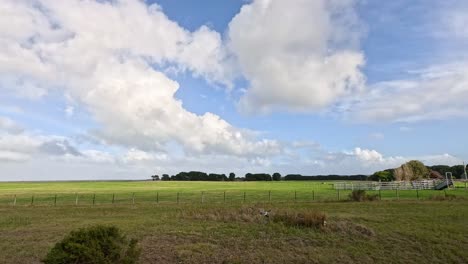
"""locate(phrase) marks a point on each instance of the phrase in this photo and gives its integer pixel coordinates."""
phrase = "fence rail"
(218, 197)
(394, 185)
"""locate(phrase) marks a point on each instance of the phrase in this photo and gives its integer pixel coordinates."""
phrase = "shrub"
(361, 196)
(97, 244)
(314, 219)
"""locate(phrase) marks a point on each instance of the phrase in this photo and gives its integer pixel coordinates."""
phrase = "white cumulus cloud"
(104, 56)
(297, 55)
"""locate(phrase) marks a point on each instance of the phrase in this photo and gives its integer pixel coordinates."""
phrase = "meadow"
(430, 229)
(134, 192)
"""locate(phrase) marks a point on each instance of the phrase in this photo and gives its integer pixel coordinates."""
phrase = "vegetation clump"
(94, 245)
(362, 196)
(311, 219)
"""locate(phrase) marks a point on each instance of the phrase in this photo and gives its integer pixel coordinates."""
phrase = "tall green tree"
(232, 176)
(276, 176)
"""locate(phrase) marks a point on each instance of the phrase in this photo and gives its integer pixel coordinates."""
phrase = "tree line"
(416, 170)
(412, 170)
(203, 176)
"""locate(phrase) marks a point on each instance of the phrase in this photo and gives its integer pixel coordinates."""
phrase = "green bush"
(93, 245)
(361, 196)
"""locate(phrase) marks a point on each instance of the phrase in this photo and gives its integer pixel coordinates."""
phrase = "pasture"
(432, 229)
(138, 192)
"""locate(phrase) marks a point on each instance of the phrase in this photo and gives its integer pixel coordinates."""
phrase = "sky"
(125, 89)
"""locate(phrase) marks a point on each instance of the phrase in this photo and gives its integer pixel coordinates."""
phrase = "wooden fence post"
(32, 199)
(76, 199)
(55, 200)
(113, 198)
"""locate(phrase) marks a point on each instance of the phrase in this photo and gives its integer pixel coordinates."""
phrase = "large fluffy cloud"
(105, 55)
(437, 92)
(297, 55)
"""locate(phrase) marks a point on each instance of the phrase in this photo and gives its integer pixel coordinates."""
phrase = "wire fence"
(217, 197)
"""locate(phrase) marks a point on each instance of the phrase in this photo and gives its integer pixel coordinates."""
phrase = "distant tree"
(165, 177)
(155, 177)
(419, 170)
(384, 176)
(257, 177)
(442, 169)
(232, 176)
(276, 176)
(457, 170)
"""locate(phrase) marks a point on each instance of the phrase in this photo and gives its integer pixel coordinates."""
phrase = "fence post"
(338, 192)
(177, 198)
(32, 199)
(202, 197)
(76, 199)
(157, 197)
(55, 200)
(113, 198)
(94, 199)
(14, 201)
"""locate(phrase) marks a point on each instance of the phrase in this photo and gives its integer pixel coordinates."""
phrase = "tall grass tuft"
(361, 196)
(312, 219)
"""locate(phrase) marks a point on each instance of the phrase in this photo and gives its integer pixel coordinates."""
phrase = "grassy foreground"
(402, 231)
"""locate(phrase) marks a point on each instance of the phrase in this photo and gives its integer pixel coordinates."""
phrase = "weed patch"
(362, 196)
(311, 219)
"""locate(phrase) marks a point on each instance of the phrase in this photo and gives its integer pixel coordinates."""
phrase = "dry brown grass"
(446, 197)
(347, 227)
(247, 214)
(311, 219)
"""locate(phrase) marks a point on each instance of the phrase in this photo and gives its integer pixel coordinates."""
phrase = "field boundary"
(216, 197)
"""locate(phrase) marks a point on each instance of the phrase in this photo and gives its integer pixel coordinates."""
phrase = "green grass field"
(120, 192)
(388, 231)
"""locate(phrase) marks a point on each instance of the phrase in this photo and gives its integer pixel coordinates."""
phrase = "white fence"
(395, 185)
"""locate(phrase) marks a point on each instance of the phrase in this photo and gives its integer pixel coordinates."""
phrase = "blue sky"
(311, 87)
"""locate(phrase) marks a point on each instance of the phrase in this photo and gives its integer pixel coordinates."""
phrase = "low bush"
(313, 219)
(93, 245)
(361, 196)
